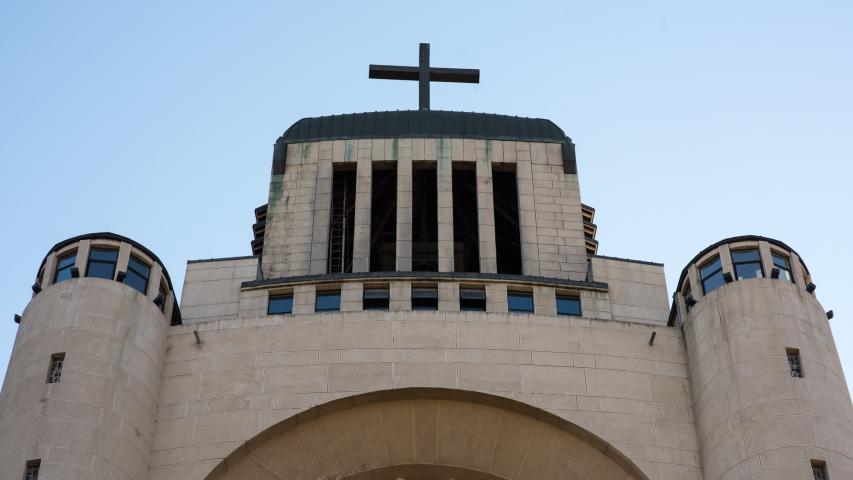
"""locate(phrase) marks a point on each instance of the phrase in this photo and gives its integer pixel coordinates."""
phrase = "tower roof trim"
(424, 124)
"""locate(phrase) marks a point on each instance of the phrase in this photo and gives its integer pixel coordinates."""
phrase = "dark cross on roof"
(424, 74)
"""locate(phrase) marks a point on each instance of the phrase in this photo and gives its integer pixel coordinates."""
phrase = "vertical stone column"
(520, 152)
(400, 296)
(123, 258)
(766, 258)
(448, 297)
(322, 207)
(154, 278)
(49, 270)
(361, 235)
(404, 210)
(486, 216)
(351, 296)
(444, 185)
(496, 297)
(544, 300)
(82, 256)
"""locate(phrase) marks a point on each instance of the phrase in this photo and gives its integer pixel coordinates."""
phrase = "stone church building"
(424, 300)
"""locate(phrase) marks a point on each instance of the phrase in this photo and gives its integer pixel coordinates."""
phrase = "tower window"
(342, 221)
(63, 267)
(568, 305)
(163, 293)
(280, 304)
(424, 218)
(375, 298)
(819, 470)
(472, 299)
(137, 274)
(31, 471)
(466, 237)
(712, 275)
(425, 298)
(507, 233)
(795, 362)
(747, 264)
(383, 220)
(54, 371)
(784, 265)
(102, 263)
(521, 302)
(328, 301)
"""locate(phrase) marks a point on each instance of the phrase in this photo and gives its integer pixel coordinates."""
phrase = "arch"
(426, 433)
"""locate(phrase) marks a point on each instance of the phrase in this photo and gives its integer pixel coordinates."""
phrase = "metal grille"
(795, 363)
(819, 472)
(55, 371)
(32, 472)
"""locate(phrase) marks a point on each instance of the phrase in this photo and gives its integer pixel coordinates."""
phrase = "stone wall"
(251, 373)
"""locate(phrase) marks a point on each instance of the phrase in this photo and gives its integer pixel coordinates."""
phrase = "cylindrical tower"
(769, 394)
(80, 393)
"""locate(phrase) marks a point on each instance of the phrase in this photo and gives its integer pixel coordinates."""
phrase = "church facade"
(424, 300)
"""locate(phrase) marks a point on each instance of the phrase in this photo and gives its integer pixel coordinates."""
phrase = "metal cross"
(424, 74)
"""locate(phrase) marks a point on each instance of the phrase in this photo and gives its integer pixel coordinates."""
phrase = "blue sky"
(692, 122)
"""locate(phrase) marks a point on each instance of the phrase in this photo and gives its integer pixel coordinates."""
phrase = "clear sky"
(692, 122)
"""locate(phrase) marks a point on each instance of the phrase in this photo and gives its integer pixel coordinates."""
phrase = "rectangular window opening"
(424, 218)
(795, 362)
(466, 238)
(54, 371)
(63, 267)
(327, 301)
(280, 304)
(102, 263)
(507, 231)
(31, 470)
(137, 274)
(425, 297)
(383, 219)
(819, 470)
(472, 299)
(568, 304)
(712, 275)
(520, 302)
(375, 298)
(784, 265)
(163, 291)
(747, 264)
(342, 220)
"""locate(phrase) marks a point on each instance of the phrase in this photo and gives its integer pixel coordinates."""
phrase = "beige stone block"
(425, 375)
(490, 377)
(553, 380)
(620, 384)
(296, 379)
(424, 334)
(228, 426)
(360, 377)
(488, 335)
(362, 334)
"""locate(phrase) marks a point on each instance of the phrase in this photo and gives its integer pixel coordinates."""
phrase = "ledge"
(223, 259)
(426, 276)
(629, 260)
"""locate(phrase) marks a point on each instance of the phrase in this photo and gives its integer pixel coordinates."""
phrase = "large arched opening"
(426, 434)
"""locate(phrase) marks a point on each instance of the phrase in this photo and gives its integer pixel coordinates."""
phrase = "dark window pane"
(713, 282)
(781, 262)
(63, 274)
(104, 254)
(472, 299)
(66, 261)
(280, 304)
(375, 299)
(568, 305)
(519, 302)
(63, 267)
(424, 299)
(101, 270)
(136, 281)
(709, 268)
(162, 306)
(327, 302)
(137, 265)
(746, 256)
(747, 270)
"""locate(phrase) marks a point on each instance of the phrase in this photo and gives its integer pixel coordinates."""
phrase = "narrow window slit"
(466, 238)
(383, 219)
(54, 371)
(424, 218)
(507, 232)
(342, 221)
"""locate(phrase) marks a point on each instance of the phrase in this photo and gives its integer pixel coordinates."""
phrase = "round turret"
(80, 393)
(769, 394)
